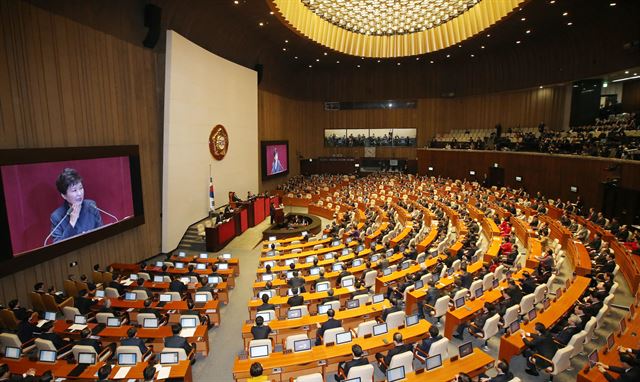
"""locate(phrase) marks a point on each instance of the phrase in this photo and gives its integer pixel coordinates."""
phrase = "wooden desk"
(474, 364)
(211, 308)
(513, 344)
(428, 240)
(383, 281)
(324, 359)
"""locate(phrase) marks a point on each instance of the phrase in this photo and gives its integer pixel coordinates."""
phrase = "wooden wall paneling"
(66, 84)
(631, 96)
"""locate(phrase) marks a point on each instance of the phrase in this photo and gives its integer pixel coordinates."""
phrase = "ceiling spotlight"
(448, 55)
(489, 35)
(236, 2)
(337, 62)
(296, 57)
(431, 62)
(317, 60)
(286, 41)
(459, 46)
(378, 61)
(311, 66)
(284, 49)
(565, 14)
(362, 58)
(552, 2)
(528, 31)
(518, 42)
(358, 65)
(472, 55)
(523, 19)
(325, 53)
(540, 87)
(569, 23)
(612, 4)
(626, 72)
(398, 64)
(417, 58)
(261, 24)
(482, 47)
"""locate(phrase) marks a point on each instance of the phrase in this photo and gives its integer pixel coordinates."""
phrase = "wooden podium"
(279, 215)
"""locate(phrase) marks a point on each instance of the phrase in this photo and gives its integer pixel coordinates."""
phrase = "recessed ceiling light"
(626, 72)
(569, 23)
(271, 13)
(358, 65)
(362, 58)
(337, 62)
(459, 46)
(528, 31)
(540, 86)
(448, 55)
(518, 42)
(286, 41)
(317, 60)
(489, 35)
(565, 14)
(236, 2)
(635, 74)
(325, 53)
(612, 4)
(296, 57)
(398, 64)
(261, 24)
(482, 47)
(523, 19)
(431, 62)
(417, 58)
(284, 49)
(311, 66)
(472, 55)
(552, 2)
(378, 61)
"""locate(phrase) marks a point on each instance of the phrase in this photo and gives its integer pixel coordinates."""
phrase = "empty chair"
(600, 315)
(330, 335)
(175, 296)
(403, 359)
(144, 276)
(104, 355)
(208, 295)
(461, 293)
(510, 315)
(489, 329)
(304, 311)
(577, 341)
(477, 284)
(267, 342)
(406, 291)
(42, 344)
(362, 299)
(395, 319)
(539, 294)
(365, 328)
(487, 281)
(135, 350)
(102, 317)
(561, 361)
(456, 265)
(11, 339)
(346, 278)
(550, 283)
(370, 278)
(271, 313)
(111, 292)
(141, 294)
(499, 273)
(335, 305)
(364, 372)
(590, 328)
(526, 304)
(323, 284)
(315, 377)
(70, 312)
(142, 316)
(441, 307)
(290, 341)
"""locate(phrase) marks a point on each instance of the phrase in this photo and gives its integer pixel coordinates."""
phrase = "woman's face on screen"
(75, 194)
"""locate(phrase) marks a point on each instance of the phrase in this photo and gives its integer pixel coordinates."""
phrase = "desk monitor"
(86, 358)
(532, 314)
(294, 313)
(258, 351)
(301, 345)
(378, 298)
(343, 338)
(449, 272)
(314, 271)
(309, 259)
(289, 275)
(127, 359)
(352, 304)
(159, 264)
(632, 310)
(188, 322)
(380, 329)
(335, 243)
(323, 309)
(328, 256)
(611, 339)
(165, 297)
(270, 263)
(357, 263)
(185, 280)
(418, 285)
(546, 303)
(465, 349)
(593, 358)
(474, 258)
(169, 358)
(336, 267)
(360, 248)
(405, 265)
(133, 277)
(225, 266)
(356, 379)
(150, 323)
(514, 327)
(12, 352)
(325, 236)
(272, 238)
(387, 271)
(433, 362)
(345, 252)
(375, 258)
(158, 279)
(495, 283)
(435, 277)
(348, 240)
(204, 256)
(459, 302)
(270, 253)
(51, 316)
(479, 292)
(322, 287)
(266, 316)
(47, 356)
(201, 266)
(267, 292)
(226, 256)
(395, 374)
(267, 277)
(113, 322)
(179, 265)
(623, 325)
(182, 254)
(79, 319)
(130, 296)
(347, 282)
(411, 320)
(558, 293)
(214, 279)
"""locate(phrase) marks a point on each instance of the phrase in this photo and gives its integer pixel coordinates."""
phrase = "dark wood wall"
(66, 84)
(631, 96)
(553, 175)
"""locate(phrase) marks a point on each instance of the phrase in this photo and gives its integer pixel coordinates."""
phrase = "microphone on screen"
(105, 212)
(57, 225)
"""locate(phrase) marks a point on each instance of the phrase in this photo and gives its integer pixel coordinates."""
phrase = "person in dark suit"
(90, 285)
(27, 327)
(296, 299)
(541, 343)
(395, 307)
(528, 283)
(206, 286)
(132, 340)
(265, 304)
(466, 278)
(116, 285)
(331, 323)
(629, 372)
(83, 303)
(260, 331)
(175, 341)
(140, 283)
(567, 331)
(176, 285)
(514, 292)
(18, 311)
(148, 309)
(434, 336)
(359, 290)
(343, 273)
(344, 367)
(48, 334)
(85, 340)
(330, 297)
(502, 373)
(296, 282)
(400, 347)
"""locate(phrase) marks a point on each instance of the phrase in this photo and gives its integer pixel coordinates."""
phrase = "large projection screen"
(203, 90)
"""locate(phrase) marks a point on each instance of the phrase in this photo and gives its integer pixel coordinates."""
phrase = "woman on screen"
(276, 166)
(76, 215)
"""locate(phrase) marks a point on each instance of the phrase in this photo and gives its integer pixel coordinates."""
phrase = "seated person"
(630, 370)
(567, 331)
(541, 343)
(400, 347)
(104, 372)
(85, 339)
(140, 286)
(260, 331)
(48, 334)
(396, 306)
(176, 285)
(502, 373)
(256, 373)
(296, 282)
(176, 341)
(18, 311)
(27, 327)
(115, 284)
(359, 290)
(148, 309)
(296, 299)
(91, 286)
(148, 374)
(265, 304)
(425, 345)
(132, 340)
(358, 360)
(84, 303)
(331, 323)
(330, 297)
(476, 325)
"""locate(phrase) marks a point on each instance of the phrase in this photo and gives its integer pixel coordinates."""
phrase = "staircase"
(191, 241)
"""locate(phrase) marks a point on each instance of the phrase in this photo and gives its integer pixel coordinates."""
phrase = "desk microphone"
(106, 213)
(57, 225)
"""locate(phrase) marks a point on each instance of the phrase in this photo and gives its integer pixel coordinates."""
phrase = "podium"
(279, 215)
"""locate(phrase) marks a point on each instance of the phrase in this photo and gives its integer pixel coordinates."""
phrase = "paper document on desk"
(41, 322)
(77, 327)
(187, 332)
(127, 282)
(164, 372)
(122, 372)
(351, 289)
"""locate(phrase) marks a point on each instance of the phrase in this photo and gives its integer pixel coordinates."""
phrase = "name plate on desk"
(276, 370)
(305, 327)
(322, 362)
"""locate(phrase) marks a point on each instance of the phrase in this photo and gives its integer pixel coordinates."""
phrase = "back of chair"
(487, 281)
(441, 307)
(208, 295)
(510, 315)
(111, 292)
(182, 355)
(477, 284)
(364, 372)
(490, 327)
(316, 377)
(267, 342)
(330, 335)
(590, 328)
(440, 347)
(175, 296)
(9, 339)
(370, 278)
(395, 319)
(362, 299)
(141, 294)
(142, 316)
(499, 273)
(403, 359)
(77, 349)
(350, 277)
(129, 349)
(36, 302)
(102, 317)
(70, 288)
(70, 312)
(562, 360)
(526, 304)
(539, 293)
(290, 341)
(97, 277)
(365, 328)
(42, 344)
(461, 293)
(577, 341)
(107, 277)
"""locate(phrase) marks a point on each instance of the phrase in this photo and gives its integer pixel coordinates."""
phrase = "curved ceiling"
(391, 28)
